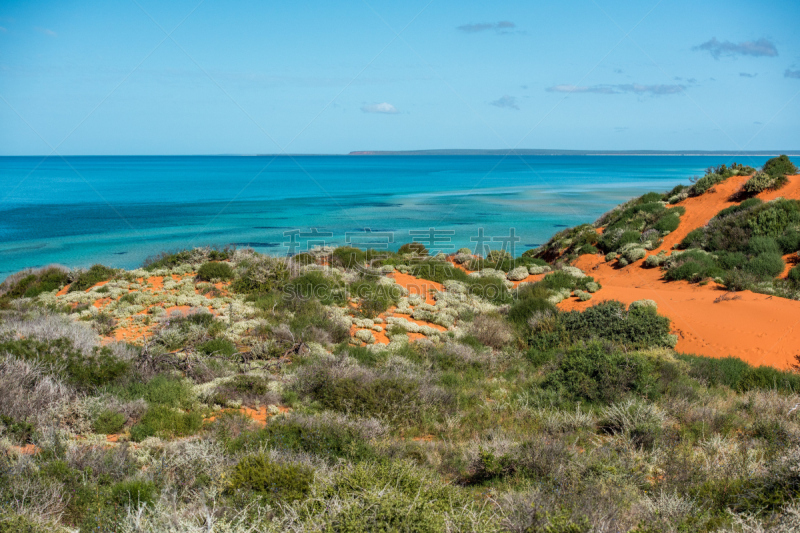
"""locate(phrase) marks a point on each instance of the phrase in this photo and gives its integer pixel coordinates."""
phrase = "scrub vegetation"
(324, 393)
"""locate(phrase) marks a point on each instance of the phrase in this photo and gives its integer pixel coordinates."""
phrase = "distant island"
(520, 151)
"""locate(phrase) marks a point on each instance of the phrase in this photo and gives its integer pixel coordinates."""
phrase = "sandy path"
(758, 328)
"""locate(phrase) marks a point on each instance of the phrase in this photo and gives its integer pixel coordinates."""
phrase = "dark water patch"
(560, 226)
(120, 253)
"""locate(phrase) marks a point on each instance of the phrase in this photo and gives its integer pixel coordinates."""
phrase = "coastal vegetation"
(365, 390)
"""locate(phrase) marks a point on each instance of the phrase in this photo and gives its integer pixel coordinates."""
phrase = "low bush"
(259, 274)
(91, 277)
(794, 274)
(315, 285)
(222, 347)
(162, 390)
(780, 166)
(416, 248)
(214, 271)
(491, 331)
(761, 181)
(273, 482)
(765, 265)
(524, 309)
(85, 372)
(34, 283)
(639, 327)
(668, 222)
(323, 436)
(109, 422)
(595, 373)
(133, 493)
(165, 422)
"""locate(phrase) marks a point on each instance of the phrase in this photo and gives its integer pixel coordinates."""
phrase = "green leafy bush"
(85, 372)
(133, 493)
(521, 311)
(779, 166)
(166, 422)
(766, 265)
(91, 277)
(35, 283)
(315, 285)
(416, 248)
(109, 422)
(761, 181)
(220, 346)
(214, 271)
(323, 437)
(794, 274)
(668, 222)
(594, 373)
(163, 390)
(638, 327)
(272, 481)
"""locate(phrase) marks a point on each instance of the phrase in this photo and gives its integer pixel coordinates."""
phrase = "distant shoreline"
(580, 152)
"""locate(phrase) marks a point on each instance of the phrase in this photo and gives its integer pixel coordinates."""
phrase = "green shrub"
(761, 181)
(693, 265)
(166, 422)
(779, 166)
(766, 265)
(693, 239)
(133, 493)
(272, 481)
(163, 390)
(261, 274)
(12, 522)
(321, 437)
(763, 245)
(593, 373)
(416, 248)
(35, 283)
(491, 289)
(85, 372)
(521, 311)
(91, 277)
(794, 274)
(638, 327)
(668, 222)
(374, 298)
(713, 371)
(214, 271)
(109, 422)
(766, 378)
(789, 241)
(747, 204)
(315, 285)
(20, 431)
(220, 346)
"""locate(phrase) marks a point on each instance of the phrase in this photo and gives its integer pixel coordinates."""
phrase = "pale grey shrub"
(44, 326)
(27, 393)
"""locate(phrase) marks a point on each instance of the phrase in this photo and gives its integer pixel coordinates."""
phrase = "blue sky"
(213, 77)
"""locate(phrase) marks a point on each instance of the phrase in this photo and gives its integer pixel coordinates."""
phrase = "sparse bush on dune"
(214, 271)
(91, 277)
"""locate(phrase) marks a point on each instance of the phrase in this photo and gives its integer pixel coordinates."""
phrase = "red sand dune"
(758, 328)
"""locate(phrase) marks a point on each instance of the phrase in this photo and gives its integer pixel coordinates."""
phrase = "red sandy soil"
(758, 328)
(28, 449)
(260, 415)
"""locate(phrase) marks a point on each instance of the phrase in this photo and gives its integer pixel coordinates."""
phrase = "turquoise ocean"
(78, 211)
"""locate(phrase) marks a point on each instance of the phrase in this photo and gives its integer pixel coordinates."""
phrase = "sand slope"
(760, 329)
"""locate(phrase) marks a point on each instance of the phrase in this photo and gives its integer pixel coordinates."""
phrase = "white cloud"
(384, 107)
(504, 26)
(635, 88)
(759, 48)
(509, 102)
